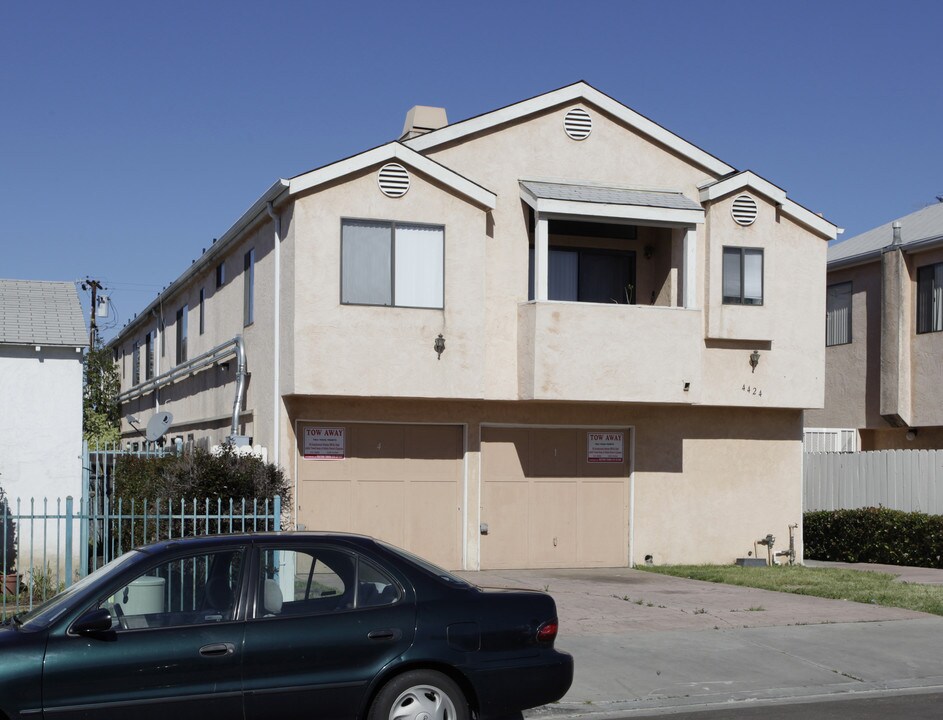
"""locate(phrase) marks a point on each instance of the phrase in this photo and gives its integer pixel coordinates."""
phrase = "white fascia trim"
(394, 151)
(748, 179)
(571, 208)
(577, 91)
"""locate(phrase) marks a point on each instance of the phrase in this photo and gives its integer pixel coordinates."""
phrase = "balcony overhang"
(611, 204)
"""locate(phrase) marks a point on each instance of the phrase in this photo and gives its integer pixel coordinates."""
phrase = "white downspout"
(276, 333)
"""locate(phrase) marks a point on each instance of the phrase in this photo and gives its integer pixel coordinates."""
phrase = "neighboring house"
(552, 335)
(884, 337)
(42, 336)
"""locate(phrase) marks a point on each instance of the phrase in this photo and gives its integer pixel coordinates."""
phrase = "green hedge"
(874, 535)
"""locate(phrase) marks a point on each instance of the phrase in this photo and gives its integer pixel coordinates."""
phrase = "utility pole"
(94, 286)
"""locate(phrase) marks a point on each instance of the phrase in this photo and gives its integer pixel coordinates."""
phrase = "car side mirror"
(93, 622)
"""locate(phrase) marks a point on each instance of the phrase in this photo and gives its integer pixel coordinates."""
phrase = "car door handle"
(385, 634)
(217, 649)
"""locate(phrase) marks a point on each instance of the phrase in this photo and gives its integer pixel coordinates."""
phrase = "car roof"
(249, 538)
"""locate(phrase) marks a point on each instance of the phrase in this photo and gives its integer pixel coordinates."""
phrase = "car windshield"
(428, 566)
(43, 615)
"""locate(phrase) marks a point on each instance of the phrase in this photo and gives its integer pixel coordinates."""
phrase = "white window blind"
(732, 274)
(930, 298)
(418, 253)
(752, 276)
(366, 262)
(838, 314)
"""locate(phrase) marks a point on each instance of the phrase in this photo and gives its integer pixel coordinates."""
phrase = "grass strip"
(861, 586)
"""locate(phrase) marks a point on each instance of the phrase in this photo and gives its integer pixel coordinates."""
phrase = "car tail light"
(547, 632)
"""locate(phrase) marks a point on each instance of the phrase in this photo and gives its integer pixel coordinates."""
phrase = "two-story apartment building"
(552, 335)
(884, 336)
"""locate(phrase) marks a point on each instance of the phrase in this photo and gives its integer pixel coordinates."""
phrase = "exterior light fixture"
(754, 360)
(439, 346)
(911, 434)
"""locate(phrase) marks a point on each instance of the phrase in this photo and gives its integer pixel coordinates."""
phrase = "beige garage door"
(399, 483)
(554, 498)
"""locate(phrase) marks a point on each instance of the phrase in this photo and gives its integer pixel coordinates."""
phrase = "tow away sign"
(605, 447)
(325, 443)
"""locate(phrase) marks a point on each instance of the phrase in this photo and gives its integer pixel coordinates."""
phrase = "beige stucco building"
(552, 335)
(884, 336)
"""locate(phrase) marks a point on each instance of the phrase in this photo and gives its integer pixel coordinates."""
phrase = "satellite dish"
(158, 425)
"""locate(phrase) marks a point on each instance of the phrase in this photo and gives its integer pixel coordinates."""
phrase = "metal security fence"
(909, 480)
(53, 544)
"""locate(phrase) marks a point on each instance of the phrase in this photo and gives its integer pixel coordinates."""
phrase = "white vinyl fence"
(909, 480)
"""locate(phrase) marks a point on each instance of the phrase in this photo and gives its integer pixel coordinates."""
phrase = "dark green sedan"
(280, 625)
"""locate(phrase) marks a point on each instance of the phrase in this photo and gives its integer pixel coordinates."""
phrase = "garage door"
(554, 498)
(400, 483)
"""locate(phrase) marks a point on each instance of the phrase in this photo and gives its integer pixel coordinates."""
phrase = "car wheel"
(420, 695)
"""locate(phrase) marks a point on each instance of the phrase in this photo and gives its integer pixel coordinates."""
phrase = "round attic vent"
(393, 180)
(744, 210)
(578, 124)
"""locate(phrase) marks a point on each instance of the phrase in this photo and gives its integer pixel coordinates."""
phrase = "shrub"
(874, 535)
(199, 475)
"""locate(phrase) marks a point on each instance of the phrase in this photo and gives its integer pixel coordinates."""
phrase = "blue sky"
(132, 134)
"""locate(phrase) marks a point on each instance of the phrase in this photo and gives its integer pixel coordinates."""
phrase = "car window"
(190, 590)
(319, 580)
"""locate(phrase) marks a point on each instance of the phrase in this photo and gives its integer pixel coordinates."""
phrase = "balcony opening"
(596, 262)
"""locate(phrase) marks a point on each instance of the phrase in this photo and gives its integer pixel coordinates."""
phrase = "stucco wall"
(40, 423)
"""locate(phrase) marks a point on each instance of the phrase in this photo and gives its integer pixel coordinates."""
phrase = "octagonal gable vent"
(578, 124)
(744, 210)
(393, 180)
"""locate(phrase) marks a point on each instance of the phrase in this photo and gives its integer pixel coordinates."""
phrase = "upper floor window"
(386, 263)
(743, 276)
(838, 314)
(220, 275)
(202, 310)
(135, 363)
(182, 334)
(930, 298)
(149, 355)
(248, 297)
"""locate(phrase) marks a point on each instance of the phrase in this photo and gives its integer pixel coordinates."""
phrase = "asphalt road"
(923, 706)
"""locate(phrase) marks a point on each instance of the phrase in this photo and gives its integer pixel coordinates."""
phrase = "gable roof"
(748, 179)
(393, 151)
(918, 229)
(578, 91)
(35, 312)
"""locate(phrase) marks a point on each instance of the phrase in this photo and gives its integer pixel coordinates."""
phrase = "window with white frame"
(743, 276)
(838, 314)
(135, 363)
(930, 298)
(391, 263)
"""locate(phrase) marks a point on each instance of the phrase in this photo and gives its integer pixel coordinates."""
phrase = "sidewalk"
(649, 644)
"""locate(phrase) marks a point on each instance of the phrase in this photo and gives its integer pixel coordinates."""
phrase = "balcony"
(597, 352)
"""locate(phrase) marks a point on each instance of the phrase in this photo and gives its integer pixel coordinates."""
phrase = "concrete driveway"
(649, 644)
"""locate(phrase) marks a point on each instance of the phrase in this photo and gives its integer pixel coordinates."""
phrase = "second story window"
(386, 263)
(182, 334)
(202, 310)
(135, 364)
(220, 275)
(838, 314)
(149, 355)
(930, 298)
(248, 298)
(743, 276)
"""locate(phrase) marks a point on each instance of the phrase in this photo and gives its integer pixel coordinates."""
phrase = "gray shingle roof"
(609, 195)
(924, 224)
(35, 312)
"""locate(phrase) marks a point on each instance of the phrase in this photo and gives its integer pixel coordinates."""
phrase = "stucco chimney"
(422, 119)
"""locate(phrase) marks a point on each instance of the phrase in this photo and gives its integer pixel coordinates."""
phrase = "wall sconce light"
(754, 360)
(439, 346)
(649, 251)
(911, 434)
